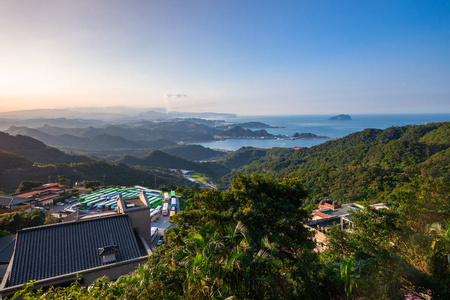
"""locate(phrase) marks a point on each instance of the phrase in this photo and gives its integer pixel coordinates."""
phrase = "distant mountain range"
(5, 123)
(110, 114)
(24, 158)
(362, 165)
(100, 141)
(144, 134)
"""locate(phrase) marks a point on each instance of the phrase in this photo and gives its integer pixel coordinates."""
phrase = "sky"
(243, 57)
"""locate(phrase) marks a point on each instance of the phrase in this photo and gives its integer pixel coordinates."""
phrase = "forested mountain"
(11, 161)
(19, 153)
(36, 151)
(109, 174)
(159, 159)
(249, 242)
(238, 132)
(242, 157)
(363, 165)
(309, 135)
(96, 142)
(173, 131)
(256, 125)
(193, 152)
(136, 138)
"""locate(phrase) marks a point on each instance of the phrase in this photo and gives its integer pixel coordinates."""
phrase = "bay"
(320, 125)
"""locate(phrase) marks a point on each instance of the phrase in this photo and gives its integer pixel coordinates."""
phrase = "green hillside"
(159, 159)
(192, 152)
(36, 151)
(113, 174)
(248, 155)
(241, 132)
(363, 165)
(17, 165)
(11, 161)
(250, 243)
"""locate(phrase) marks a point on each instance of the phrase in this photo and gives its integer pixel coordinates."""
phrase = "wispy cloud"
(176, 96)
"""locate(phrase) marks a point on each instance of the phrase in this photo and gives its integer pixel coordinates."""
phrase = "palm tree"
(200, 256)
(441, 238)
(229, 264)
(349, 277)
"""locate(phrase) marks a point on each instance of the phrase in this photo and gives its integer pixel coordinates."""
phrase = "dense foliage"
(250, 243)
(10, 223)
(239, 132)
(11, 161)
(111, 174)
(27, 185)
(366, 165)
(192, 152)
(160, 159)
(401, 250)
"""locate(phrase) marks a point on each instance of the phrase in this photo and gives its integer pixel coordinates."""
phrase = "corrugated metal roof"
(6, 248)
(57, 249)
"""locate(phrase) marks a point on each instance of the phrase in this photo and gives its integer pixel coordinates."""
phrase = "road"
(200, 183)
(163, 224)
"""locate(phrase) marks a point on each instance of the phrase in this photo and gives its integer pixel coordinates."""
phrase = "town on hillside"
(94, 233)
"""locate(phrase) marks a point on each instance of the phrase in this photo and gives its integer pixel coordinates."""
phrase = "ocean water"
(320, 125)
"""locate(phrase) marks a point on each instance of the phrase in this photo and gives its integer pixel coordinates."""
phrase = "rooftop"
(344, 210)
(57, 249)
(6, 200)
(44, 191)
(6, 248)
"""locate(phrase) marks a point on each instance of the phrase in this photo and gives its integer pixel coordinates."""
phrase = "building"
(330, 214)
(329, 208)
(43, 195)
(10, 203)
(111, 244)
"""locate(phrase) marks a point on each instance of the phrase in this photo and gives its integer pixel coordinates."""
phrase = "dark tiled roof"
(6, 200)
(53, 250)
(7, 248)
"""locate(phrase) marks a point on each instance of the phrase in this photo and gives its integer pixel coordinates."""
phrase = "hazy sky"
(244, 57)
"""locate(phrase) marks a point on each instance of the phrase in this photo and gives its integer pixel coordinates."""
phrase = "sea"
(319, 125)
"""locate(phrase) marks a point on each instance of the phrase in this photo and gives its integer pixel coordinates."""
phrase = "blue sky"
(244, 57)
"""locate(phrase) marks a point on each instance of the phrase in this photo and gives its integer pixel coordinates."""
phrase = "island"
(255, 125)
(309, 135)
(239, 132)
(341, 118)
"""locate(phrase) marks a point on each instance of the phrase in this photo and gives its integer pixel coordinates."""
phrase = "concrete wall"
(112, 271)
(140, 220)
